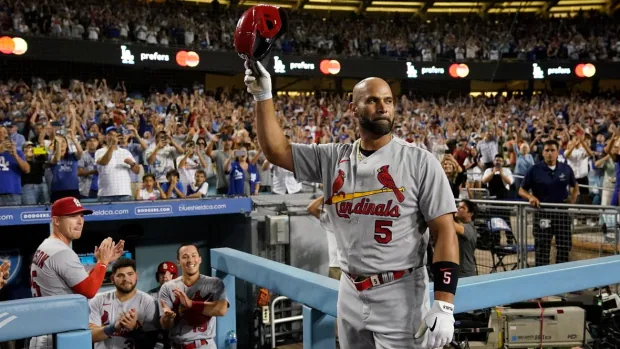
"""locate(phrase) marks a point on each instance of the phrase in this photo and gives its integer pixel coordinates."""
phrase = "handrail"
(319, 293)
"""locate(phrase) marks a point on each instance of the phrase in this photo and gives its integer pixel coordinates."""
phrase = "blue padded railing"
(319, 293)
(65, 316)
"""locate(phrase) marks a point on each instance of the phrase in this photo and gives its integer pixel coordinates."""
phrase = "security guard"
(549, 182)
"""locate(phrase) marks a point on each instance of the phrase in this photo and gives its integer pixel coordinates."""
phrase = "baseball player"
(188, 303)
(125, 317)
(166, 271)
(5, 268)
(316, 209)
(383, 196)
(56, 268)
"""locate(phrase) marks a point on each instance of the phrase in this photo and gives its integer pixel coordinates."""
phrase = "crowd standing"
(97, 142)
(526, 36)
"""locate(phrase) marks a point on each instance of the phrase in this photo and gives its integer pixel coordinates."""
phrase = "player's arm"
(445, 258)
(99, 332)
(217, 305)
(459, 228)
(166, 318)
(315, 207)
(68, 267)
(270, 135)
(217, 308)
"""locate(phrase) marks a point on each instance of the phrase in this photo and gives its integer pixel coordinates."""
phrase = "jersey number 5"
(383, 235)
(36, 290)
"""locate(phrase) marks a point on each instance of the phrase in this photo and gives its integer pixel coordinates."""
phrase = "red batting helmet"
(166, 267)
(257, 30)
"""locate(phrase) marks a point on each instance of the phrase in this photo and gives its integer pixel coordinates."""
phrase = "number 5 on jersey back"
(383, 235)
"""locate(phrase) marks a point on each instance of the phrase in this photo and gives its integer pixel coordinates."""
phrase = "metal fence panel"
(569, 233)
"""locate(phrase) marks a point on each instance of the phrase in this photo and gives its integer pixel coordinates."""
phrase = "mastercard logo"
(16, 46)
(187, 59)
(329, 67)
(458, 70)
(585, 70)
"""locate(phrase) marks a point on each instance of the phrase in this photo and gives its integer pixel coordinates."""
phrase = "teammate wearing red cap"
(56, 268)
(166, 271)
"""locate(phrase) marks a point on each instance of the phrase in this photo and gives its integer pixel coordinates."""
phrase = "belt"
(364, 283)
(190, 345)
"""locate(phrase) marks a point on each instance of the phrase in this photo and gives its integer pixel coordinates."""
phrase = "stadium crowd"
(591, 35)
(98, 142)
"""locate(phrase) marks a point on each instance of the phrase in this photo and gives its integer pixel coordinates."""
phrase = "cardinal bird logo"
(386, 179)
(105, 317)
(337, 185)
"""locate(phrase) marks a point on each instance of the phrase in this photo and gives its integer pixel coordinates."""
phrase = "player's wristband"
(446, 276)
(198, 306)
(109, 330)
(263, 96)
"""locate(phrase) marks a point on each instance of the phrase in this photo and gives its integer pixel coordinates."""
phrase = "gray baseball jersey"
(55, 269)
(378, 205)
(190, 325)
(105, 309)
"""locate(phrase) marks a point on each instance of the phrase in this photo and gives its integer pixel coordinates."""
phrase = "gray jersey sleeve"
(94, 314)
(311, 162)
(219, 292)
(165, 294)
(67, 266)
(149, 313)
(435, 194)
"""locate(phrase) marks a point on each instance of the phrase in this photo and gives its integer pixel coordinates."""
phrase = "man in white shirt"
(114, 164)
(161, 156)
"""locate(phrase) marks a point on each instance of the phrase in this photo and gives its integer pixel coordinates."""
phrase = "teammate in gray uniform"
(382, 196)
(56, 269)
(124, 318)
(188, 303)
(166, 271)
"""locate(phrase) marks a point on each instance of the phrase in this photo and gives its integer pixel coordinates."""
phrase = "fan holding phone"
(243, 175)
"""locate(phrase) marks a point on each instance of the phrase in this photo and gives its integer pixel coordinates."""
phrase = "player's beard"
(376, 127)
(125, 289)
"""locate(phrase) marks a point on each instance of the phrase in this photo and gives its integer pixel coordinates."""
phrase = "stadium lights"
(522, 4)
(453, 10)
(254, 3)
(458, 4)
(397, 3)
(330, 7)
(337, 2)
(575, 8)
(392, 9)
(581, 2)
(15, 46)
(513, 10)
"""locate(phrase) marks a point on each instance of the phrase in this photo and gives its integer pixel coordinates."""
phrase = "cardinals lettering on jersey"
(345, 206)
